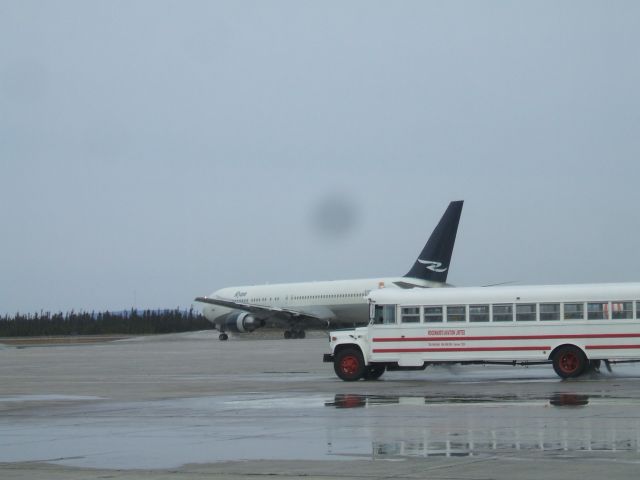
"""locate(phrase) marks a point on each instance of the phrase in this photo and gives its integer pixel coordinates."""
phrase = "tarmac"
(187, 406)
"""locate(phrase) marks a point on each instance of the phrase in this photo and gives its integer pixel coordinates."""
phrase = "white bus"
(571, 326)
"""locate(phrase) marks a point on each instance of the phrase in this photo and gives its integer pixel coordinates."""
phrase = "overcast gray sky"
(153, 151)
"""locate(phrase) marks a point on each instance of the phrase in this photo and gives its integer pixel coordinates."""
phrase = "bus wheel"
(569, 362)
(373, 373)
(349, 364)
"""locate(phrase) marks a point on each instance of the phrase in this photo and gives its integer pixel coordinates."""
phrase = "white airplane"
(294, 306)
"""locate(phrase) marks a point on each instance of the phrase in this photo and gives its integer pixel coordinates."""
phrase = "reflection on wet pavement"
(94, 432)
(490, 425)
(568, 400)
(346, 400)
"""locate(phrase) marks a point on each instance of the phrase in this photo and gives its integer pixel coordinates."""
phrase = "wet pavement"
(263, 406)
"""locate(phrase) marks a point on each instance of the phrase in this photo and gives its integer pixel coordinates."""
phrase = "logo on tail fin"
(433, 266)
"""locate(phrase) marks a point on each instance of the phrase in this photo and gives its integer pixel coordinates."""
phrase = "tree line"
(131, 322)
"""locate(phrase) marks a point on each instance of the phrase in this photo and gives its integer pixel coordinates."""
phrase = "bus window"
(388, 314)
(549, 311)
(574, 311)
(377, 315)
(503, 313)
(622, 310)
(478, 313)
(456, 313)
(433, 314)
(598, 311)
(410, 314)
(526, 312)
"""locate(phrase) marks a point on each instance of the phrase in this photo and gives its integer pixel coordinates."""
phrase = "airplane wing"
(407, 285)
(266, 311)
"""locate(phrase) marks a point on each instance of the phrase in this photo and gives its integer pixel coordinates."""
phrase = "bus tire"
(373, 372)
(569, 361)
(349, 364)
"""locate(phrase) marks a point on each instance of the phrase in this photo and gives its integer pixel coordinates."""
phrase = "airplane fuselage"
(338, 302)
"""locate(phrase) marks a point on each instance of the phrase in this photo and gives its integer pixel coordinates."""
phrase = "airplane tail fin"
(433, 262)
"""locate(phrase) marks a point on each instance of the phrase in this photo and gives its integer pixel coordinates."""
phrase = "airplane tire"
(349, 364)
(287, 334)
(301, 334)
(569, 362)
(373, 372)
(223, 336)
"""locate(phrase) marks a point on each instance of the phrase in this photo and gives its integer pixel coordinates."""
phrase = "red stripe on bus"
(507, 337)
(610, 347)
(454, 349)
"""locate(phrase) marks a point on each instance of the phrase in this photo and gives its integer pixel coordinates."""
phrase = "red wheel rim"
(349, 365)
(569, 362)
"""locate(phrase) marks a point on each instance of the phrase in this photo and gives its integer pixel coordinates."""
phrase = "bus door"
(383, 324)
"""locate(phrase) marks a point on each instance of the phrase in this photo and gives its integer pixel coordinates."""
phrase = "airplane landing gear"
(294, 334)
(223, 336)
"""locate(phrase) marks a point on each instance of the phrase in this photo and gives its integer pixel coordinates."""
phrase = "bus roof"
(508, 294)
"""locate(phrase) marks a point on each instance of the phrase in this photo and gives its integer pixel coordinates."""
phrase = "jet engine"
(242, 322)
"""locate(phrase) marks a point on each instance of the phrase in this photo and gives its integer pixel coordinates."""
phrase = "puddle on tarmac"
(170, 433)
